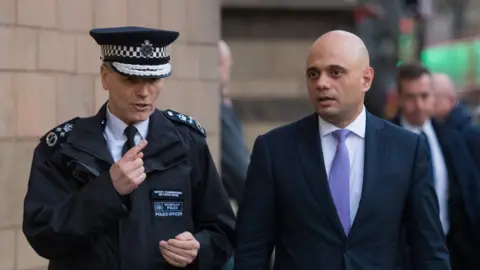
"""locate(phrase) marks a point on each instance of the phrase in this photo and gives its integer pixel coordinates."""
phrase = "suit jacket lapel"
(376, 143)
(311, 156)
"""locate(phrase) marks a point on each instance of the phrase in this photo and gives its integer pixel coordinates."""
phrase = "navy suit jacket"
(464, 197)
(287, 204)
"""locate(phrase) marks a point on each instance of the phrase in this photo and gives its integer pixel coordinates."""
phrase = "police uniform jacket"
(74, 217)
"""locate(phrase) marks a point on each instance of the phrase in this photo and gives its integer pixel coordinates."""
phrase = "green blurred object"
(460, 60)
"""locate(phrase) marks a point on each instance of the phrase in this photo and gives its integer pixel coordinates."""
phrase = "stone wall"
(49, 73)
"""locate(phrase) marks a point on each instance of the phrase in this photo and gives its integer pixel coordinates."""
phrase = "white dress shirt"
(439, 168)
(115, 137)
(355, 143)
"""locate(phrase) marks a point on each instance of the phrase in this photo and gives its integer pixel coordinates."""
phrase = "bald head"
(445, 95)
(225, 53)
(343, 43)
(224, 66)
(443, 85)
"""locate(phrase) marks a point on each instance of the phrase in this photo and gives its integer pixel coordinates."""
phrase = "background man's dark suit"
(460, 118)
(235, 154)
(464, 198)
(287, 204)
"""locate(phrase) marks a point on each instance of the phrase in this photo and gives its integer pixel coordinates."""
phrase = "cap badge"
(146, 49)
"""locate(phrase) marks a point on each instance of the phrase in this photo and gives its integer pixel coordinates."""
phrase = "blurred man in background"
(235, 155)
(456, 115)
(452, 168)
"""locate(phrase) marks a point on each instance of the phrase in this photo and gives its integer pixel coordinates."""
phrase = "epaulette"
(59, 134)
(186, 120)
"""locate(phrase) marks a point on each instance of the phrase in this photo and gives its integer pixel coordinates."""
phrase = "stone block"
(56, 51)
(279, 87)
(75, 15)
(26, 257)
(173, 95)
(8, 111)
(143, 13)
(203, 19)
(15, 162)
(7, 253)
(110, 13)
(36, 103)
(185, 59)
(87, 55)
(202, 101)
(208, 62)
(19, 48)
(244, 52)
(37, 13)
(173, 16)
(75, 96)
(8, 11)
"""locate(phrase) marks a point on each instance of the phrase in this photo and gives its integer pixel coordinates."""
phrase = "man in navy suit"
(334, 190)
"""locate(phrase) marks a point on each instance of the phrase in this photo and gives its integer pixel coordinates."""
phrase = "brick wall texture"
(49, 69)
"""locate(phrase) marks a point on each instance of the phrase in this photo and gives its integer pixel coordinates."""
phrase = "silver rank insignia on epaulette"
(61, 131)
(188, 120)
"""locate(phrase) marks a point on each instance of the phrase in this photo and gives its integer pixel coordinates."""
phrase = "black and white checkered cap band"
(133, 52)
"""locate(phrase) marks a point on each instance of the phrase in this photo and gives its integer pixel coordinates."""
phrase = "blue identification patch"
(168, 209)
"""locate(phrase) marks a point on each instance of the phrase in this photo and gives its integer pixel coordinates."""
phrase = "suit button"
(345, 249)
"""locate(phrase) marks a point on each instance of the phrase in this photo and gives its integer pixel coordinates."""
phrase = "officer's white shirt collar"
(117, 126)
(357, 126)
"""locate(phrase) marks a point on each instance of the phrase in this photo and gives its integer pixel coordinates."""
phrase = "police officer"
(131, 187)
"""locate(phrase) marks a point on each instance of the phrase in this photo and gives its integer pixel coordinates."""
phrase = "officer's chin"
(139, 116)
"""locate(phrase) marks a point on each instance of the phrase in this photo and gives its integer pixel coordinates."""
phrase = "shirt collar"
(117, 126)
(357, 126)
(426, 127)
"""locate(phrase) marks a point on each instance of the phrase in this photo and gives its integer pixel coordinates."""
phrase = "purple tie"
(340, 179)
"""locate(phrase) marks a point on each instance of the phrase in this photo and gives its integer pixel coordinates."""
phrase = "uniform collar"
(117, 126)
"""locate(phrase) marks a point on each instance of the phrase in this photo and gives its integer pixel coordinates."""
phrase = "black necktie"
(430, 156)
(130, 132)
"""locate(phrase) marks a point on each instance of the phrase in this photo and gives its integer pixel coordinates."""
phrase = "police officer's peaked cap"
(136, 51)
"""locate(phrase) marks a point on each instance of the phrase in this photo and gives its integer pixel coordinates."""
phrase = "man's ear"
(104, 73)
(368, 75)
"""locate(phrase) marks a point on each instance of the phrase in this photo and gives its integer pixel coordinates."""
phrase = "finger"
(176, 257)
(135, 150)
(173, 262)
(130, 166)
(186, 245)
(186, 236)
(137, 172)
(138, 180)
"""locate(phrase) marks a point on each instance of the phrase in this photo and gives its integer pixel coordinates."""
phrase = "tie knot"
(130, 132)
(341, 134)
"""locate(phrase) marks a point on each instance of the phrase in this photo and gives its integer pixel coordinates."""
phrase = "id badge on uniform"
(167, 203)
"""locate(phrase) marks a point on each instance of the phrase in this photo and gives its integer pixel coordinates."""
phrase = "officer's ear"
(105, 75)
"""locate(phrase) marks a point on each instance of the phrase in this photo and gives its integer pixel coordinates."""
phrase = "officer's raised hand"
(128, 173)
(181, 251)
